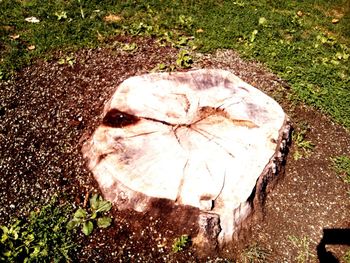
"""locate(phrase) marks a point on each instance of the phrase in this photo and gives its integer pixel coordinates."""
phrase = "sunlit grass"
(305, 43)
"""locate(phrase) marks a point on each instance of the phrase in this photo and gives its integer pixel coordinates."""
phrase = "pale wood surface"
(200, 138)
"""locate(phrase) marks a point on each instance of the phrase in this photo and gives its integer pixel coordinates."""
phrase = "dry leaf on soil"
(32, 19)
(14, 37)
(335, 20)
(112, 18)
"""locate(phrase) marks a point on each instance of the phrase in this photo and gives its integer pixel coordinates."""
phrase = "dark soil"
(48, 110)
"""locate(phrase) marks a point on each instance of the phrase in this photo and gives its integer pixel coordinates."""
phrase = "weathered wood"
(201, 138)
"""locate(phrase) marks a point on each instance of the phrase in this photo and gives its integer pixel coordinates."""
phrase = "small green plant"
(303, 146)
(70, 60)
(175, 39)
(140, 29)
(254, 254)
(303, 248)
(180, 243)
(184, 41)
(341, 165)
(129, 47)
(42, 237)
(161, 67)
(186, 21)
(184, 60)
(61, 15)
(84, 218)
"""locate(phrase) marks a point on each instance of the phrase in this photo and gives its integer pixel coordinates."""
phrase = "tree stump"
(202, 138)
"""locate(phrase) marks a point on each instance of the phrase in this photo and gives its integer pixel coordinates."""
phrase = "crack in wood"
(210, 140)
(119, 119)
(222, 187)
(187, 101)
(178, 196)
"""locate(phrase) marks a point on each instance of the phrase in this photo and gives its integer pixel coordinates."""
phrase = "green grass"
(42, 237)
(341, 165)
(307, 50)
(48, 234)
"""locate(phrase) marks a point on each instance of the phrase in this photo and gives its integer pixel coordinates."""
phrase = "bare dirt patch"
(48, 110)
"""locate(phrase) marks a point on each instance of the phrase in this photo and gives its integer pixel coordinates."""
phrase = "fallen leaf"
(32, 19)
(335, 20)
(200, 30)
(32, 47)
(75, 123)
(112, 18)
(299, 13)
(14, 36)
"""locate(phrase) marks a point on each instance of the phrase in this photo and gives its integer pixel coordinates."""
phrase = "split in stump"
(202, 138)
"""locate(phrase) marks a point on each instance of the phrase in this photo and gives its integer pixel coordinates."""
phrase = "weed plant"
(47, 234)
(180, 243)
(303, 147)
(42, 237)
(302, 245)
(94, 215)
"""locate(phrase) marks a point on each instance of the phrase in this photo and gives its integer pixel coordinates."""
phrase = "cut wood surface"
(201, 138)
